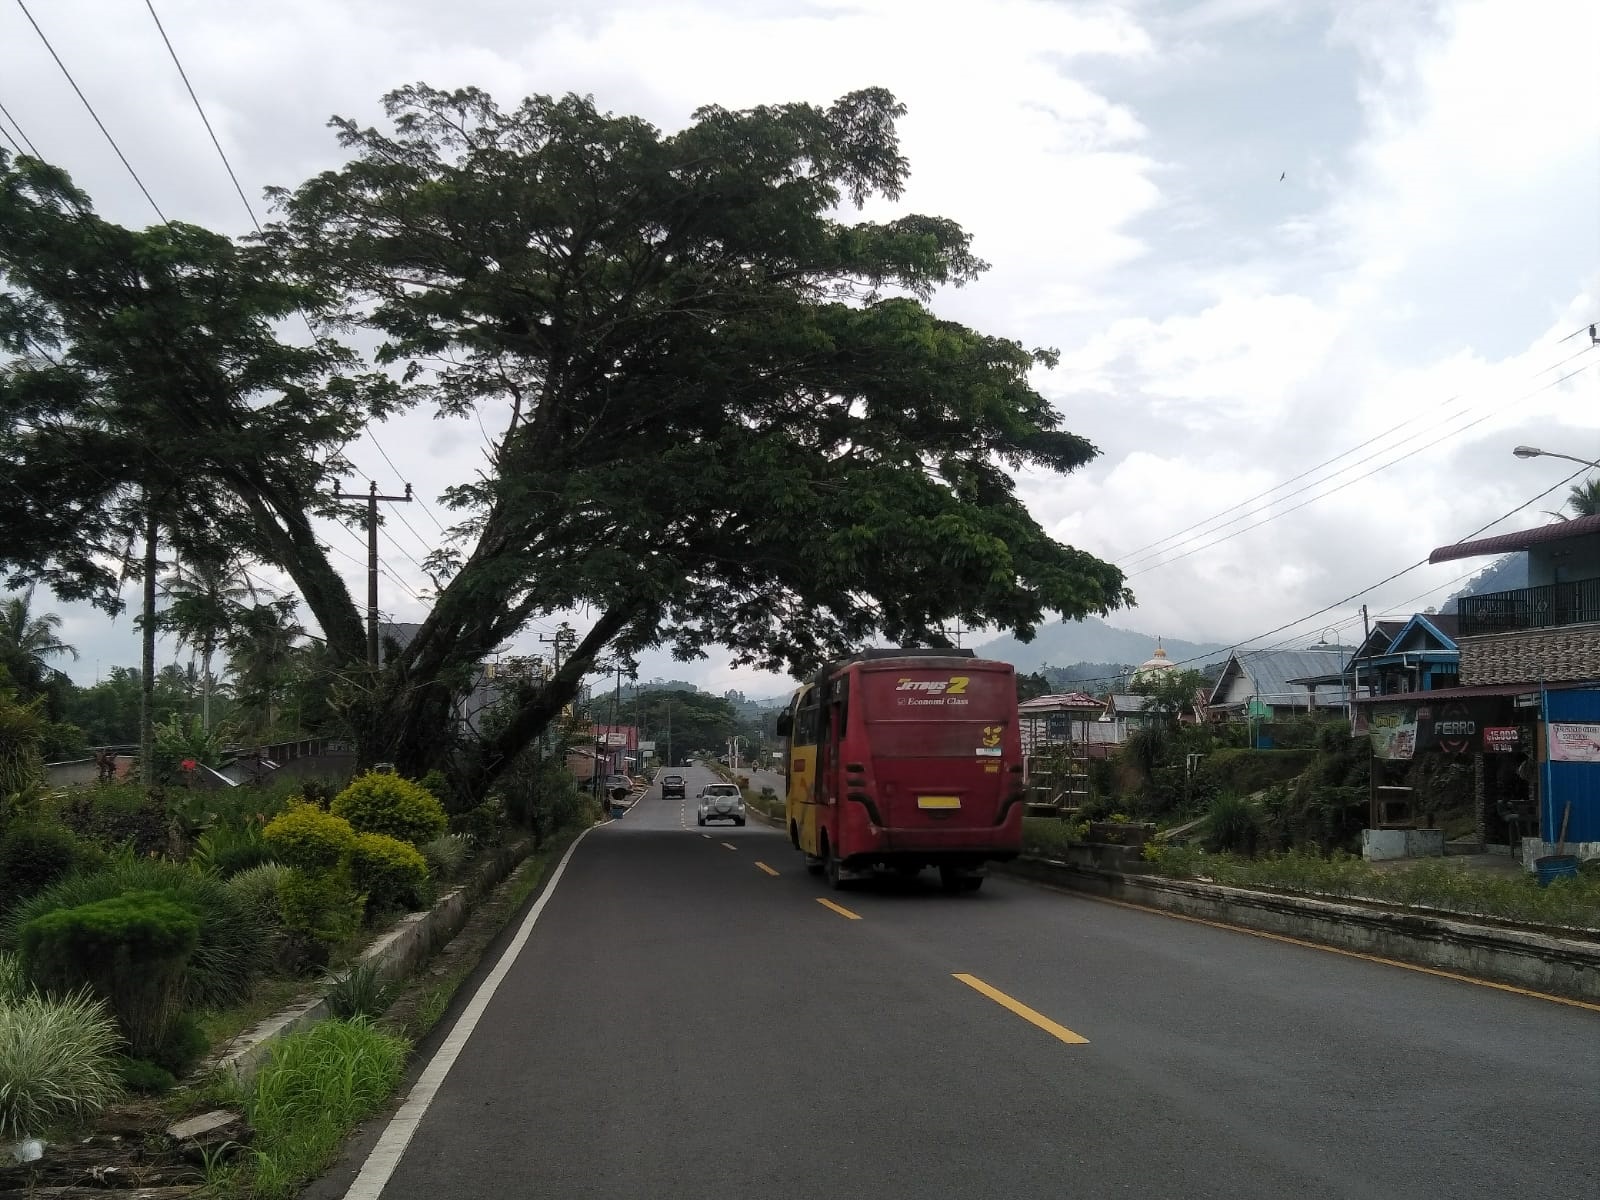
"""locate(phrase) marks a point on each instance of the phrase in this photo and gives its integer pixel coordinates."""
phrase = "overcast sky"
(1260, 233)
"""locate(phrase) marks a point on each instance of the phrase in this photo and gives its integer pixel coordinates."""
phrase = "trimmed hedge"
(388, 804)
(304, 836)
(392, 873)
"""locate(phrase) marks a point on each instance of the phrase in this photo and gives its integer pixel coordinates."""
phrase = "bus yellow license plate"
(938, 801)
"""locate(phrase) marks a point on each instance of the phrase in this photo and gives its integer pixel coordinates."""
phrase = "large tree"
(726, 414)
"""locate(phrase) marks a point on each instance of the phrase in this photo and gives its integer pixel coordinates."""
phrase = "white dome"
(1154, 665)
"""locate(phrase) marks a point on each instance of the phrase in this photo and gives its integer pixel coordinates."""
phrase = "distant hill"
(1503, 575)
(1090, 640)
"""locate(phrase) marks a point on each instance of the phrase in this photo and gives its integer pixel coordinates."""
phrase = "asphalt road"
(683, 1022)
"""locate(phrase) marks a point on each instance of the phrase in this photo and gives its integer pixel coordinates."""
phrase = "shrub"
(31, 858)
(322, 907)
(138, 1075)
(257, 891)
(446, 855)
(1235, 826)
(21, 735)
(232, 947)
(57, 1062)
(379, 803)
(117, 815)
(224, 852)
(362, 991)
(484, 825)
(183, 1047)
(130, 950)
(310, 839)
(391, 872)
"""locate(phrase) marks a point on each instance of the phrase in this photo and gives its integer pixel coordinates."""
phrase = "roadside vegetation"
(1438, 884)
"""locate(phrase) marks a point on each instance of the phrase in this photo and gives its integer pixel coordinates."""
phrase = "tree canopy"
(726, 414)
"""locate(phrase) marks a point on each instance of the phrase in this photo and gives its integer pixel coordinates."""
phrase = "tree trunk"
(147, 679)
(207, 650)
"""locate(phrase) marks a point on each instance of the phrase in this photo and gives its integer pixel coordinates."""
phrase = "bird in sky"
(1282, 177)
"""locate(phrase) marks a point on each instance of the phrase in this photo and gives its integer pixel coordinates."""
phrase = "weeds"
(58, 1061)
(13, 983)
(313, 1090)
(1574, 903)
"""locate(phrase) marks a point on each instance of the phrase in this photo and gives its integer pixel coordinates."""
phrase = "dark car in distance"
(672, 786)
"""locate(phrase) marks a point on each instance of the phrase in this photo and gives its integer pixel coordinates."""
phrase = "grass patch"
(270, 995)
(317, 1086)
(1569, 903)
(1050, 836)
(57, 1062)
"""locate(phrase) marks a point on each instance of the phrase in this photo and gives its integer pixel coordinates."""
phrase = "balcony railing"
(1544, 607)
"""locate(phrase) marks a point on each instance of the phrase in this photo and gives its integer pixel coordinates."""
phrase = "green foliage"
(21, 735)
(185, 739)
(1169, 694)
(257, 891)
(321, 906)
(57, 1062)
(1049, 837)
(309, 839)
(33, 856)
(1440, 884)
(116, 815)
(1245, 772)
(446, 855)
(1234, 824)
(225, 851)
(141, 1075)
(381, 803)
(232, 947)
(483, 825)
(361, 991)
(183, 1047)
(312, 1091)
(13, 983)
(392, 873)
(130, 950)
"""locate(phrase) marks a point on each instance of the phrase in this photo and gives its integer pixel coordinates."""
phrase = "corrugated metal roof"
(1060, 702)
(1523, 539)
(1271, 673)
(1463, 693)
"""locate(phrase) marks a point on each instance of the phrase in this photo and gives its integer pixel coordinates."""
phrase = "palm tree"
(27, 641)
(1585, 497)
(262, 654)
(205, 604)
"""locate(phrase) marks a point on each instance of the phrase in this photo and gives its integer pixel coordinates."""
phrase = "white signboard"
(1574, 743)
(647, 746)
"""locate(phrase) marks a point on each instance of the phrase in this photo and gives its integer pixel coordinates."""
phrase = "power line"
(1267, 520)
(26, 140)
(1140, 552)
(1212, 654)
(401, 476)
(6, 134)
(113, 141)
(205, 120)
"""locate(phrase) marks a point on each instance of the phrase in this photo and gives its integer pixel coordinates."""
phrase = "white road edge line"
(391, 1146)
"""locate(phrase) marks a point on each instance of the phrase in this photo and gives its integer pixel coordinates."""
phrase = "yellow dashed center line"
(838, 908)
(1022, 1010)
(766, 868)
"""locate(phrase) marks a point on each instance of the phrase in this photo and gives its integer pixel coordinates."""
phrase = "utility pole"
(563, 639)
(371, 500)
(147, 657)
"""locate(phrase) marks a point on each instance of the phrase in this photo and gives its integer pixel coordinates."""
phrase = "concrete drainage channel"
(1546, 961)
(397, 952)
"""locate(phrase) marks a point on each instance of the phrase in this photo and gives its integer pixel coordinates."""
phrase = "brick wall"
(1564, 654)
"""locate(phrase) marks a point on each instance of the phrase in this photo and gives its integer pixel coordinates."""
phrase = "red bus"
(905, 759)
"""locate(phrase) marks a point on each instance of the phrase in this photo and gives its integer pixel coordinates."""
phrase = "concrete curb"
(1536, 961)
(397, 953)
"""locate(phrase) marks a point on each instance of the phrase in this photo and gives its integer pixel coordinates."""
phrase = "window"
(805, 720)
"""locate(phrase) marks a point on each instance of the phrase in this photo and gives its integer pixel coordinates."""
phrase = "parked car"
(672, 786)
(721, 802)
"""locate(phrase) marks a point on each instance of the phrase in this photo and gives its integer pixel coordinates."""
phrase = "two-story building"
(1537, 648)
